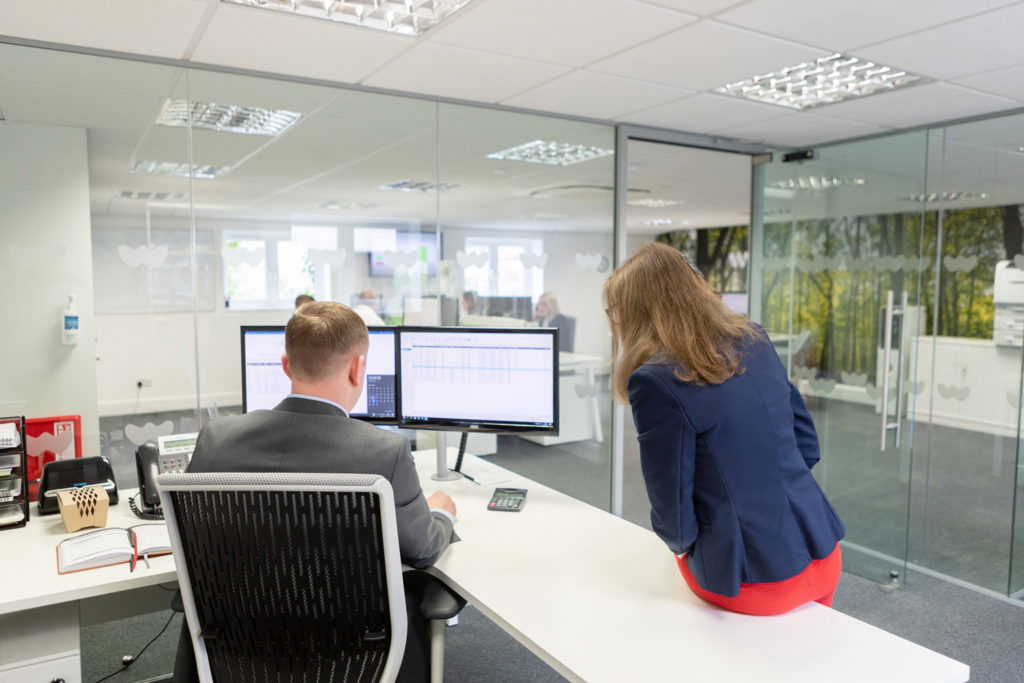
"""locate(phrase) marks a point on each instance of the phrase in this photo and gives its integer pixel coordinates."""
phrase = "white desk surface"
(29, 569)
(600, 599)
(596, 597)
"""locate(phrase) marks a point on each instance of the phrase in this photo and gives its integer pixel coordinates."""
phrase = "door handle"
(899, 377)
(887, 349)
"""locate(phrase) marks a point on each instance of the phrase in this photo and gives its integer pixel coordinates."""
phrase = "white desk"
(41, 611)
(579, 410)
(600, 599)
(596, 597)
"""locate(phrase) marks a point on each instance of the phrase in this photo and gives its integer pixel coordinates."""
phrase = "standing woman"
(726, 442)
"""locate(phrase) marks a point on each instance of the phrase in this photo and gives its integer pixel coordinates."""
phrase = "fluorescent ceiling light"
(652, 203)
(421, 185)
(350, 206)
(826, 80)
(953, 196)
(662, 222)
(409, 17)
(203, 171)
(153, 196)
(551, 153)
(227, 118)
(815, 183)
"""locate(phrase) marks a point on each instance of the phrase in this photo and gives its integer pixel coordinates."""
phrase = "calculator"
(507, 500)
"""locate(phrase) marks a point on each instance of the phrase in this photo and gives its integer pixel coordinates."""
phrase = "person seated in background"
(546, 314)
(470, 303)
(368, 308)
(726, 442)
(310, 431)
(303, 299)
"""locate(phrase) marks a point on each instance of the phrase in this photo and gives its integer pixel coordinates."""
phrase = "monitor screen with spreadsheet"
(476, 379)
(264, 383)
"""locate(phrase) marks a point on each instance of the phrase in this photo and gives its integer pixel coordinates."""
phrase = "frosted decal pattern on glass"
(130, 277)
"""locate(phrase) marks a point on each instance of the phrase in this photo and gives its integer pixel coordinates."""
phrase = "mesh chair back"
(288, 574)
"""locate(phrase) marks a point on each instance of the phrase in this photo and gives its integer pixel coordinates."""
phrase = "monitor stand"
(443, 473)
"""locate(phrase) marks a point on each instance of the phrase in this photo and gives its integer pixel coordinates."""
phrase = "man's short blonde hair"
(321, 337)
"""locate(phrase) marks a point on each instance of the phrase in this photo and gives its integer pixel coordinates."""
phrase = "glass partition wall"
(179, 204)
(888, 285)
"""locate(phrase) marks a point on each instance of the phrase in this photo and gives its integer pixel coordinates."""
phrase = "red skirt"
(816, 583)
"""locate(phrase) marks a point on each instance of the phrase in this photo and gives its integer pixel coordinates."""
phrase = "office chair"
(567, 335)
(288, 577)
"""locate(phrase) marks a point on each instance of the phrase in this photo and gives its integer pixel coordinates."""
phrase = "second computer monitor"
(466, 379)
(264, 383)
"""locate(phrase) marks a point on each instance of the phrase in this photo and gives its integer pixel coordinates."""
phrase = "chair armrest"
(440, 602)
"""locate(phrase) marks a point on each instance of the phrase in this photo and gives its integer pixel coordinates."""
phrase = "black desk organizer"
(14, 486)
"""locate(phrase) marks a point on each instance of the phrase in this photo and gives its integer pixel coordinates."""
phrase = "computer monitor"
(476, 379)
(264, 383)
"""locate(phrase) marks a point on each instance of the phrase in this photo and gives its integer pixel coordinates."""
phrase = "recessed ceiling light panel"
(347, 205)
(409, 17)
(652, 203)
(826, 80)
(952, 196)
(203, 171)
(146, 195)
(816, 183)
(418, 185)
(551, 153)
(227, 118)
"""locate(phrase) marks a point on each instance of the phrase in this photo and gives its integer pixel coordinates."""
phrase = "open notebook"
(112, 545)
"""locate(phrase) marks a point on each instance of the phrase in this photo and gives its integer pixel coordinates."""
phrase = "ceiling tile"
(593, 95)
(799, 129)
(264, 40)
(916, 105)
(705, 55)
(1007, 82)
(465, 74)
(842, 26)
(981, 43)
(569, 32)
(702, 113)
(161, 28)
(700, 7)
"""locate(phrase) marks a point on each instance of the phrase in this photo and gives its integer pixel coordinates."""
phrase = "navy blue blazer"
(728, 472)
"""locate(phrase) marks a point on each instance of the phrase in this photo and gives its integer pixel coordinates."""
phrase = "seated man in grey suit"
(310, 431)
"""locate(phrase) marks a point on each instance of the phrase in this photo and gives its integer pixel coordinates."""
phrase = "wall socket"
(144, 382)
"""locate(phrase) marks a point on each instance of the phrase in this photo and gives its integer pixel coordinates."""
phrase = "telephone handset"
(169, 454)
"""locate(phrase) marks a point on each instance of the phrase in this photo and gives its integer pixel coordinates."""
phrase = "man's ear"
(357, 370)
(284, 365)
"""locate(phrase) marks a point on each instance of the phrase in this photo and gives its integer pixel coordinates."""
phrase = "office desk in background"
(600, 599)
(42, 612)
(579, 415)
(594, 596)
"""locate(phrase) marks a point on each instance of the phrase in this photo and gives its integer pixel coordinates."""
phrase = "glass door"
(698, 201)
(840, 298)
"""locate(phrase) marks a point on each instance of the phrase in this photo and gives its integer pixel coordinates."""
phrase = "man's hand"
(441, 500)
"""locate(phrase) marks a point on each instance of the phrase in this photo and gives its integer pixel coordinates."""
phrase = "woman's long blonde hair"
(658, 305)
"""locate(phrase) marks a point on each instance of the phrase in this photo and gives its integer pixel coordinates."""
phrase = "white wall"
(47, 254)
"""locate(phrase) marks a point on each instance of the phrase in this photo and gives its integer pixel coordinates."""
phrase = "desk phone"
(507, 500)
(168, 454)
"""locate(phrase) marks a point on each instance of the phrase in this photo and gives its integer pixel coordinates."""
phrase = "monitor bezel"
(482, 426)
(362, 417)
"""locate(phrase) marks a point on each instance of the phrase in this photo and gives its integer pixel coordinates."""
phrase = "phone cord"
(152, 516)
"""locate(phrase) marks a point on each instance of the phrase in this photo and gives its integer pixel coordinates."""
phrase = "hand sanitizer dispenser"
(69, 322)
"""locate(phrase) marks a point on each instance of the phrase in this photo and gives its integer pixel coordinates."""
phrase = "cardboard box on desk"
(83, 507)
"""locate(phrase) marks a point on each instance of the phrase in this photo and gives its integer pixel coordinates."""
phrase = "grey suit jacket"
(301, 435)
